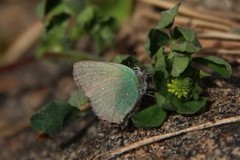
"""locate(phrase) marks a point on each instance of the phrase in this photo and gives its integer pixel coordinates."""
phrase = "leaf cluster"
(66, 22)
(176, 75)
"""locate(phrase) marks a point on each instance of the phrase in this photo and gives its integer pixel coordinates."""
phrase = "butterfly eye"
(136, 69)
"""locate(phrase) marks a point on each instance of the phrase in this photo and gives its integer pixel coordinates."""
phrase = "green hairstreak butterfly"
(113, 89)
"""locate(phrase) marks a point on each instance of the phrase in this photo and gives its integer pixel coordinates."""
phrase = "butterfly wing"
(113, 89)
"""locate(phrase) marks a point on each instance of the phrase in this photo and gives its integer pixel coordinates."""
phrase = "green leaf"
(191, 107)
(55, 40)
(126, 60)
(78, 99)
(40, 9)
(185, 40)
(196, 91)
(160, 82)
(171, 55)
(153, 116)
(119, 9)
(187, 33)
(156, 39)
(164, 103)
(119, 58)
(203, 74)
(56, 21)
(185, 47)
(75, 6)
(180, 63)
(54, 117)
(104, 37)
(46, 6)
(57, 14)
(216, 64)
(167, 17)
(160, 64)
(88, 18)
(92, 22)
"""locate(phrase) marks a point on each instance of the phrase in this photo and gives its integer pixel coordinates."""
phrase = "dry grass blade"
(22, 43)
(213, 43)
(191, 13)
(189, 21)
(220, 35)
(220, 51)
(10, 131)
(230, 15)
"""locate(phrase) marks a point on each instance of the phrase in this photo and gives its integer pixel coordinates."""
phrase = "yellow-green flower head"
(180, 87)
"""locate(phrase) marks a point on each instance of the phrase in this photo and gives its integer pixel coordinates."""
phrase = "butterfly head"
(142, 76)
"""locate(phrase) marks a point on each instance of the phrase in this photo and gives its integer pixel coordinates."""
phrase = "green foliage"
(177, 76)
(67, 21)
(78, 99)
(54, 117)
(185, 40)
(175, 73)
(93, 23)
(45, 7)
(55, 40)
(190, 107)
(153, 116)
(167, 17)
(156, 39)
(164, 103)
(119, 9)
(216, 64)
(180, 63)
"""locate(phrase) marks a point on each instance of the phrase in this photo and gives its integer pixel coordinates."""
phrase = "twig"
(17, 64)
(153, 139)
(85, 106)
(22, 43)
(14, 130)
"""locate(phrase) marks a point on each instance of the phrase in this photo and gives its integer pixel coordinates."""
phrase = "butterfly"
(113, 89)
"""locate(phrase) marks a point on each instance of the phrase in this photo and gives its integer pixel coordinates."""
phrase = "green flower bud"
(180, 87)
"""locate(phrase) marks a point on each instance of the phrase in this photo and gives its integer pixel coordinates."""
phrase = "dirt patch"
(218, 142)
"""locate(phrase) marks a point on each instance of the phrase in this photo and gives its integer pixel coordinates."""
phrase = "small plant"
(177, 73)
(175, 79)
(67, 22)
